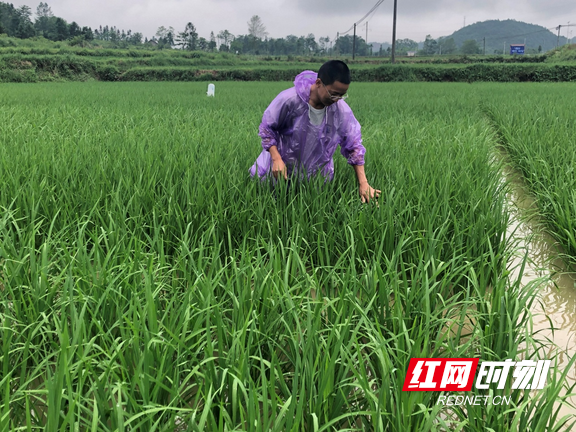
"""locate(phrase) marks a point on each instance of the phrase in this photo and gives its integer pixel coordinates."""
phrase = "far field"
(147, 283)
(60, 62)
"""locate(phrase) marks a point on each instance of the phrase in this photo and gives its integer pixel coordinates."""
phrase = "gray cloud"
(355, 10)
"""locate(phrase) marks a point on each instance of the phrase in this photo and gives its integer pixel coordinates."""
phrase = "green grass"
(146, 283)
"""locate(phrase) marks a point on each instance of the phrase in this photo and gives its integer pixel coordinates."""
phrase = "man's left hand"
(367, 193)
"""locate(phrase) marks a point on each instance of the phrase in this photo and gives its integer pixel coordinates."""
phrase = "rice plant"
(146, 283)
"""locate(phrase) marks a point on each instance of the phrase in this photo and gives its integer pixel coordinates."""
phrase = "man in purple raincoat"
(303, 125)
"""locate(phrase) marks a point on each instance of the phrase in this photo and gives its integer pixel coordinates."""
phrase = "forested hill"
(500, 34)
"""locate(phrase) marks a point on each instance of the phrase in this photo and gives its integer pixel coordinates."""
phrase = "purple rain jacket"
(286, 125)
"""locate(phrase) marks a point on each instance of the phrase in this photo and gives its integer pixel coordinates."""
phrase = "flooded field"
(554, 314)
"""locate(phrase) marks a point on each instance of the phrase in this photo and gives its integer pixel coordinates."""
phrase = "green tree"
(135, 38)
(74, 30)
(165, 37)
(44, 23)
(256, 28)
(161, 32)
(61, 29)
(188, 39)
(43, 10)
(430, 46)
(470, 46)
(202, 44)
(323, 42)
(310, 45)
(226, 37)
(291, 44)
(237, 45)
(87, 33)
(212, 43)
(343, 44)
(6, 22)
(447, 46)
(22, 23)
(113, 35)
(405, 45)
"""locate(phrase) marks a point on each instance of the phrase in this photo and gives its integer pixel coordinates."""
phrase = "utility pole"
(394, 33)
(484, 46)
(337, 37)
(367, 38)
(558, 40)
(504, 48)
(354, 43)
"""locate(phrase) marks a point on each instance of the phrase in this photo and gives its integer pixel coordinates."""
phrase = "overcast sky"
(416, 18)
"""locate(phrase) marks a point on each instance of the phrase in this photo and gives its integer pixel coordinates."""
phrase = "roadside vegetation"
(45, 63)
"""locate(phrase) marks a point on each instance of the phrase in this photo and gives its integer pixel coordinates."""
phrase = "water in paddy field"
(557, 296)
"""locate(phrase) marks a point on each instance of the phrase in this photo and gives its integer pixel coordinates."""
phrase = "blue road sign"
(517, 49)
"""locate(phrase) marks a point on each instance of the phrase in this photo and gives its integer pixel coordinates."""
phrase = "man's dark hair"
(334, 70)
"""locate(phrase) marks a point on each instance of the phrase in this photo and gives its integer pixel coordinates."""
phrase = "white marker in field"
(211, 89)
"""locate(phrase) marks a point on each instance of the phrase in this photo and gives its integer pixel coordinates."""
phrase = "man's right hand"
(278, 165)
(279, 168)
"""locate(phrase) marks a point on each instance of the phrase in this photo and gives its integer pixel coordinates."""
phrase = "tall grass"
(146, 283)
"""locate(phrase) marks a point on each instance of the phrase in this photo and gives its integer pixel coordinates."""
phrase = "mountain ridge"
(498, 35)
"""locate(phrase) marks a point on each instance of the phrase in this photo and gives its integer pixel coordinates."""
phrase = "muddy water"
(557, 292)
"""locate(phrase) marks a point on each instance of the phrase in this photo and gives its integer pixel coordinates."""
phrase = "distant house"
(411, 53)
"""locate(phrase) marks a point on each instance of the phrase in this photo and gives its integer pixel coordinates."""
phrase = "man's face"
(331, 93)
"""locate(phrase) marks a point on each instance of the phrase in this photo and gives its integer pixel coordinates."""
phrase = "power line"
(378, 3)
(371, 16)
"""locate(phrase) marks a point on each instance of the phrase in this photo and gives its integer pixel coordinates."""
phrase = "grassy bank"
(45, 63)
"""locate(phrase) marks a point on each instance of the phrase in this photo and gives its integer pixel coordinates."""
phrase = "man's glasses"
(334, 98)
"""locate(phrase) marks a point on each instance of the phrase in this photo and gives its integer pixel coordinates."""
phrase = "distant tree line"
(117, 36)
(255, 42)
(18, 22)
(294, 45)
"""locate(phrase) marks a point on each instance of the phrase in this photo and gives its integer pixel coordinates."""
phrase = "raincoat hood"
(303, 82)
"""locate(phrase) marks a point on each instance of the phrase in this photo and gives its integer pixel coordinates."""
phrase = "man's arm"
(353, 150)
(366, 191)
(278, 166)
(273, 122)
